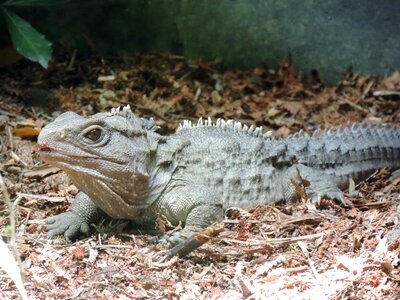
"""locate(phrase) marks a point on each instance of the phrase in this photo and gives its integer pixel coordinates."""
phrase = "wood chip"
(40, 172)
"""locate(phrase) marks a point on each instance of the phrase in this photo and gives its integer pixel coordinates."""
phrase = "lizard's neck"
(121, 196)
(162, 163)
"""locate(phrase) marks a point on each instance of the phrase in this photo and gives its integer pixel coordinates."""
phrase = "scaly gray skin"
(127, 170)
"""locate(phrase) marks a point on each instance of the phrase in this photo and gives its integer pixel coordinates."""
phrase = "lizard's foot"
(317, 184)
(178, 236)
(390, 241)
(68, 223)
(395, 175)
(356, 194)
(332, 194)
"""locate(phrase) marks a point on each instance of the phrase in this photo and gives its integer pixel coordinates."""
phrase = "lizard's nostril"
(44, 148)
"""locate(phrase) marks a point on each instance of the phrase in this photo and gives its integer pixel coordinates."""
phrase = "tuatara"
(124, 168)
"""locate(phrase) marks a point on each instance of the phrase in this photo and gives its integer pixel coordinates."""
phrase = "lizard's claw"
(68, 223)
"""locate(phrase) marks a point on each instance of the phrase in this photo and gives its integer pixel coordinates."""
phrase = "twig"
(10, 209)
(311, 263)
(373, 204)
(367, 89)
(113, 247)
(195, 241)
(18, 159)
(42, 197)
(197, 95)
(6, 113)
(355, 105)
(10, 137)
(244, 285)
(71, 63)
(238, 221)
(11, 212)
(288, 240)
(385, 93)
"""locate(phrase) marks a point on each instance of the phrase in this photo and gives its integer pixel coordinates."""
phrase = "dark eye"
(94, 134)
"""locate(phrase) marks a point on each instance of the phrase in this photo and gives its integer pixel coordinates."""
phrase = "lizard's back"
(246, 168)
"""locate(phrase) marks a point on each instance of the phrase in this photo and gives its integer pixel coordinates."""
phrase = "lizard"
(127, 170)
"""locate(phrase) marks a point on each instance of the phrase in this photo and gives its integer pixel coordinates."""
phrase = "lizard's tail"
(354, 151)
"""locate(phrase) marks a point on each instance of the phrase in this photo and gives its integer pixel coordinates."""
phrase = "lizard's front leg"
(194, 206)
(83, 212)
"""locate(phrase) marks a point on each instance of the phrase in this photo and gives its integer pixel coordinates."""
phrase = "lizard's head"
(106, 156)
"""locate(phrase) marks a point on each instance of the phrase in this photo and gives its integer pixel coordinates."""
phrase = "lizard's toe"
(68, 223)
(174, 238)
(55, 226)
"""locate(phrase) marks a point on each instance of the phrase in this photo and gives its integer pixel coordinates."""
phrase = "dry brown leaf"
(77, 253)
(294, 107)
(392, 82)
(26, 132)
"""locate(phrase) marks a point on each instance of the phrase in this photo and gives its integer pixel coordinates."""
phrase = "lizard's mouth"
(48, 153)
(53, 156)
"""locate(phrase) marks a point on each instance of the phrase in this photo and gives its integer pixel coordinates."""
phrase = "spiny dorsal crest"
(123, 111)
(126, 112)
(349, 130)
(228, 125)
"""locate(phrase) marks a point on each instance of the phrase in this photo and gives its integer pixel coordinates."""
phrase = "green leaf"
(27, 40)
(33, 2)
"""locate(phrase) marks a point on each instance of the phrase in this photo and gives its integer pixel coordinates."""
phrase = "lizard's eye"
(94, 135)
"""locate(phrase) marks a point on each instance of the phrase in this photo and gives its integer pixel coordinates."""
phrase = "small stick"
(195, 241)
(385, 93)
